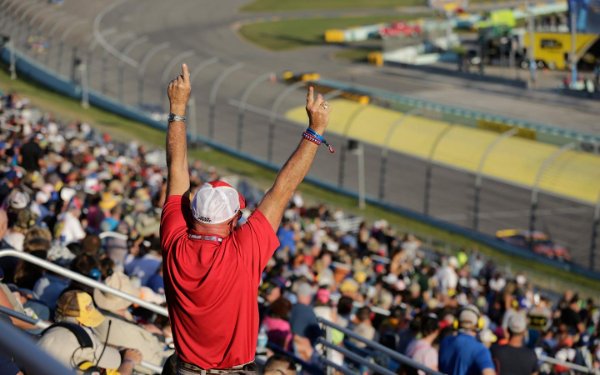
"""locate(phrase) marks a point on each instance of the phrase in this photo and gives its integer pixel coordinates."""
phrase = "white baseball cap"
(216, 202)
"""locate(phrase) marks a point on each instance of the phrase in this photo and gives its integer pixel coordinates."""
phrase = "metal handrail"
(43, 325)
(27, 319)
(570, 365)
(355, 357)
(395, 355)
(116, 235)
(82, 279)
(16, 344)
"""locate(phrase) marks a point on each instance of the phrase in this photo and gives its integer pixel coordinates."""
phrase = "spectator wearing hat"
(76, 311)
(212, 267)
(462, 354)
(116, 305)
(124, 332)
(515, 358)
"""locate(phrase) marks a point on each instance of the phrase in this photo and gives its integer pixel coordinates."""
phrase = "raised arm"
(178, 179)
(295, 169)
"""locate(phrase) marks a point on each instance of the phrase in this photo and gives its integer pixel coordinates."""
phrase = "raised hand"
(318, 111)
(179, 91)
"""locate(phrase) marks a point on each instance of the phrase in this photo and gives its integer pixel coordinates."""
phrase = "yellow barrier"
(516, 160)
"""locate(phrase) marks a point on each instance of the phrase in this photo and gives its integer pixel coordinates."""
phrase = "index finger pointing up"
(310, 96)
(185, 72)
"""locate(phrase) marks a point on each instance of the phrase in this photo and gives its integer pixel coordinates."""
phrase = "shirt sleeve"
(257, 242)
(172, 222)
(484, 360)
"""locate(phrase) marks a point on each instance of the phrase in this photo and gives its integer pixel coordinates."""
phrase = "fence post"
(142, 69)
(242, 107)
(212, 99)
(428, 171)
(479, 173)
(536, 185)
(61, 45)
(170, 65)
(386, 148)
(349, 123)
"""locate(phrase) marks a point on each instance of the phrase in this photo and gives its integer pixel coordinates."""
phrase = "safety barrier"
(17, 345)
(82, 279)
(43, 325)
(405, 360)
(547, 133)
(40, 74)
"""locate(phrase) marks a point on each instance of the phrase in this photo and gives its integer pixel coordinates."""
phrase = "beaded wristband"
(311, 138)
(320, 138)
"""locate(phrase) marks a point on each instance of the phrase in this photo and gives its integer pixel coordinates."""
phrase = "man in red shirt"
(212, 266)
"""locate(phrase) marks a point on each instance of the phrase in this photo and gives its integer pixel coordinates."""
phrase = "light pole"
(358, 149)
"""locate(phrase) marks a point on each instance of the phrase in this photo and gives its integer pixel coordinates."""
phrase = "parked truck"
(551, 49)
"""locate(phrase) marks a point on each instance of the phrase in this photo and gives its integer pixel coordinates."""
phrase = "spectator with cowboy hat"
(212, 266)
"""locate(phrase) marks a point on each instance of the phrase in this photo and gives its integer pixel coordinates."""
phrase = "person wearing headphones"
(74, 342)
(463, 354)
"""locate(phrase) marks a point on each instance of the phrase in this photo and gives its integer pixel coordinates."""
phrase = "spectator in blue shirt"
(463, 354)
(286, 237)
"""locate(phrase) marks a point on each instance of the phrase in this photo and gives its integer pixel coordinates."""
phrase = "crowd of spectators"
(63, 185)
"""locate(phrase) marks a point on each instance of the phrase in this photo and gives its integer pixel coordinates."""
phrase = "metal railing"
(82, 279)
(569, 365)
(43, 325)
(373, 345)
(16, 344)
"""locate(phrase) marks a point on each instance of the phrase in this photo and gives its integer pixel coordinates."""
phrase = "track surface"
(207, 29)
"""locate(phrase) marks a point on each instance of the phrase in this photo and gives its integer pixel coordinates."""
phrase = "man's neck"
(467, 332)
(221, 230)
(516, 341)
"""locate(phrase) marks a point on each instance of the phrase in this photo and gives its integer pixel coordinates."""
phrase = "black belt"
(251, 366)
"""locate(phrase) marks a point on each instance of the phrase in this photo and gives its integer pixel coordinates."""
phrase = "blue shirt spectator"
(464, 355)
(49, 287)
(143, 267)
(285, 234)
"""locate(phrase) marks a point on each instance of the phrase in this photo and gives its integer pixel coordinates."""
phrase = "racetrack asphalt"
(208, 29)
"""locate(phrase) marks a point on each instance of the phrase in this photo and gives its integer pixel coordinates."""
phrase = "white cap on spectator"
(18, 200)
(216, 202)
(66, 194)
(517, 323)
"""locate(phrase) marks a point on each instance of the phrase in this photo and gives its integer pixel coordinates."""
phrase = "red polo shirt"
(212, 287)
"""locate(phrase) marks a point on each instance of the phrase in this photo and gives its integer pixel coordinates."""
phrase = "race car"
(539, 242)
